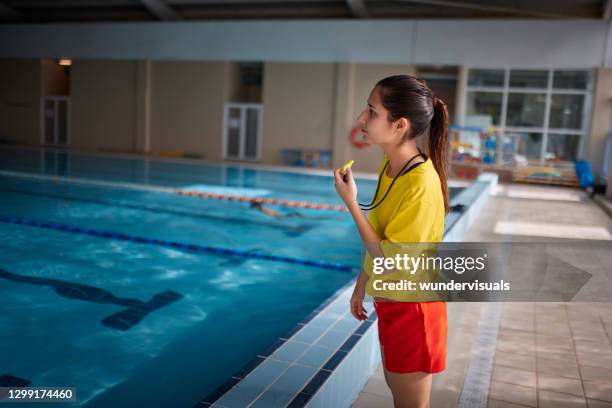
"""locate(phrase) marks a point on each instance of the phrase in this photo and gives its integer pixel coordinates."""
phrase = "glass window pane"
(526, 109)
(571, 79)
(562, 147)
(528, 79)
(486, 77)
(529, 144)
(566, 111)
(483, 108)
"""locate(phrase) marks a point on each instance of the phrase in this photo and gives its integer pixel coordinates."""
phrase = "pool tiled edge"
(308, 353)
(328, 357)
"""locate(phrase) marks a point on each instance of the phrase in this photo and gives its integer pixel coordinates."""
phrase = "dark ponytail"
(410, 97)
(438, 145)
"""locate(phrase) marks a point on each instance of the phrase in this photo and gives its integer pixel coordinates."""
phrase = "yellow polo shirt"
(413, 211)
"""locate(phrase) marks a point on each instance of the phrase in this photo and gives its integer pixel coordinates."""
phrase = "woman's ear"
(402, 126)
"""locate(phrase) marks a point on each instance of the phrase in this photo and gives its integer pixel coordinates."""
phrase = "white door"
(242, 131)
(55, 120)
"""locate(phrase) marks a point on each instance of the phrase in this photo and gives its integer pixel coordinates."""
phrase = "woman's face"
(375, 124)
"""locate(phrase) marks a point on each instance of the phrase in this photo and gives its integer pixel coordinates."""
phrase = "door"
(56, 120)
(242, 131)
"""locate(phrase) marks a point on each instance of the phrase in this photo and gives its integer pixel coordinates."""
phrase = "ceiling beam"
(486, 7)
(8, 13)
(160, 9)
(28, 4)
(358, 8)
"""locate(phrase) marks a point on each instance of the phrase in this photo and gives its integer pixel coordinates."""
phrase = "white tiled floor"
(541, 229)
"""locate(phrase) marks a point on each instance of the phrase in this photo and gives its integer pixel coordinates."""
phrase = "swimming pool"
(140, 297)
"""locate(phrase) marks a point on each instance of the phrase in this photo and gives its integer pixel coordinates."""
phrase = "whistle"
(347, 165)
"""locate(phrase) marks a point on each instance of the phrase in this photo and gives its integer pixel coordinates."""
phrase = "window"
(546, 111)
(572, 80)
(566, 111)
(486, 77)
(530, 145)
(562, 147)
(528, 79)
(484, 104)
(526, 110)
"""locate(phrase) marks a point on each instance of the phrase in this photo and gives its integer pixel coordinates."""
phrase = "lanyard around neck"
(371, 206)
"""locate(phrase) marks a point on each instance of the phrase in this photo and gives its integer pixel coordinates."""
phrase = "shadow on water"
(135, 311)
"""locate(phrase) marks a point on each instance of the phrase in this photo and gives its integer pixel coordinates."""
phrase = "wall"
(600, 125)
(55, 80)
(20, 92)
(298, 111)
(187, 99)
(318, 110)
(103, 104)
(149, 106)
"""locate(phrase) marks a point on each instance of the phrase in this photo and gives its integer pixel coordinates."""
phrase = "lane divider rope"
(177, 244)
(190, 193)
(263, 200)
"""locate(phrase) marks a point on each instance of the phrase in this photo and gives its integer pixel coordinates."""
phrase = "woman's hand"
(357, 309)
(345, 186)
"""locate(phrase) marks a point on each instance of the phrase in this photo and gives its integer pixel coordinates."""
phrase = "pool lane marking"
(182, 192)
(177, 244)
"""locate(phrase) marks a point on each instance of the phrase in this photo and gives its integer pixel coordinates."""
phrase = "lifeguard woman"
(409, 205)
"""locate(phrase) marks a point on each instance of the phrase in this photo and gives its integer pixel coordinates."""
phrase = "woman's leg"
(410, 390)
(382, 354)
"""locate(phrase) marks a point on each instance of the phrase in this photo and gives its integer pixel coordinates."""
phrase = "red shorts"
(413, 335)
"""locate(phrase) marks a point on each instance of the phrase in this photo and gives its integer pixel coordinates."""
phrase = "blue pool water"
(141, 323)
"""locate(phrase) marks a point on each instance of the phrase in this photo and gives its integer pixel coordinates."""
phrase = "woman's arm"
(369, 236)
(347, 189)
(357, 309)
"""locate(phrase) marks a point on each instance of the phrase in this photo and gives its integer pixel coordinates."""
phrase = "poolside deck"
(544, 354)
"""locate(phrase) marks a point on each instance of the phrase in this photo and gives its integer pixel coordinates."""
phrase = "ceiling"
(39, 11)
